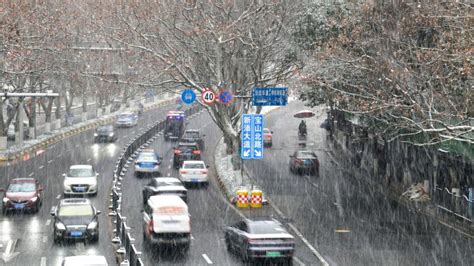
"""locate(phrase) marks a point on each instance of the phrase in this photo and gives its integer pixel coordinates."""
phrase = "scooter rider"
(302, 128)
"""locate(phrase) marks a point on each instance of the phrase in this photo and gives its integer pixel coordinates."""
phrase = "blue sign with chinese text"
(252, 137)
(269, 96)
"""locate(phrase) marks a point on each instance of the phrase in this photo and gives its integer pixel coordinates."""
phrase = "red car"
(22, 194)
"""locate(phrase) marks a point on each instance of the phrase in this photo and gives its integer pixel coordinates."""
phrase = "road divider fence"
(127, 251)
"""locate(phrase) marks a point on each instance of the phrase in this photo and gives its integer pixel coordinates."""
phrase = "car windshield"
(105, 129)
(75, 210)
(168, 183)
(305, 154)
(194, 166)
(147, 157)
(125, 116)
(81, 172)
(191, 135)
(21, 187)
(266, 228)
(187, 148)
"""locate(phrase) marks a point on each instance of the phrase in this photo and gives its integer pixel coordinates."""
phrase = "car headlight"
(5, 200)
(111, 134)
(92, 225)
(95, 134)
(34, 199)
(60, 226)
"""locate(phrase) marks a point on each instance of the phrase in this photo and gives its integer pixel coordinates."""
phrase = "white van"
(167, 222)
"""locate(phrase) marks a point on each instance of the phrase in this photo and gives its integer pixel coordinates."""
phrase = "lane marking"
(77, 145)
(43, 261)
(169, 166)
(206, 258)
(48, 222)
(313, 211)
(88, 160)
(342, 231)
(192, 237)
(45, 238)
(59, 155)
(50, 161)
(58, 196)
(297, 232)
(41, 167)
(169, 174)
(31, 174)
(295, 259)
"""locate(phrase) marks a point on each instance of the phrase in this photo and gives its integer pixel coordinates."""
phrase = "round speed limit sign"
(208, 97)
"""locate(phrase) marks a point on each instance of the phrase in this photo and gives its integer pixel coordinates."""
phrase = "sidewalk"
(36, 146)
(428, 208)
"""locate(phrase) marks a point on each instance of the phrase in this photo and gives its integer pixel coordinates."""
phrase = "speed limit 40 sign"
(208, 97)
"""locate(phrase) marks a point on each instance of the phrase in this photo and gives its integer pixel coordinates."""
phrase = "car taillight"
(204, 171)
(150, 226)
(196, 152)
(183, 171)
(177, 152)
(298, 161)
(252, 241)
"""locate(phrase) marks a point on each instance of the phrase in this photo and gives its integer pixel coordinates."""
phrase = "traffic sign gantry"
(188, 96)
(208, 97)
(252, 137)
(225, 97)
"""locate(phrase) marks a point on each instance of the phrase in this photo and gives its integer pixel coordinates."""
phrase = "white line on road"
(295, 259)
(169, 166)
(41, 167)
(45, 238)
(192, 237)
(321, 259)
(50, 161)
(31, 174)
(313, 211)
(48, 222)
(88, 160)
(77, 145)
(58, 196)
(169, 174)
(206, 258)
(43, 261)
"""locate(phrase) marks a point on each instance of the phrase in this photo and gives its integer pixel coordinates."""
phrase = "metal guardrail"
(122, 232)
(457, 206)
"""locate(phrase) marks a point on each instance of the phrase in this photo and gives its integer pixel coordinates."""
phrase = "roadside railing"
(122, 234)
(455, 205)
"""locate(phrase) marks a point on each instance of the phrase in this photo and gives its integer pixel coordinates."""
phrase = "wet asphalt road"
(347, 220)
(210, 212)
(33, 232)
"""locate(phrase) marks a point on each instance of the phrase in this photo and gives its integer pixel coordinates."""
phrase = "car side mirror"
(98, 212)
(271, 132)
(142, 210)
(207, 166)
(203, 135)
(64, 175)
(41, 188)
(291, 156)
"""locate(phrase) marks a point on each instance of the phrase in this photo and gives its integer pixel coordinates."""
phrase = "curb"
(7, 157)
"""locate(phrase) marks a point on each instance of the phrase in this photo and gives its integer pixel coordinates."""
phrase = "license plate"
(76, 233)
(306, 162)
(273, 254)
(80, 189)
(147, 165)
(19, 205)
(194, 180)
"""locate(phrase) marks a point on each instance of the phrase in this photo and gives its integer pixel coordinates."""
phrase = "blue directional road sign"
(252, 137)
(269, 96)
(188, 96)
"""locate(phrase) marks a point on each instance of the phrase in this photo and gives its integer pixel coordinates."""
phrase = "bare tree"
(221, 45)
(405, 67)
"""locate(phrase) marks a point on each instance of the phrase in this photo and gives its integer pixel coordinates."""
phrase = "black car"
(266, 239)
(186, 151)
(75, 219)
(304, 162)
(164, 185)
(193, 135)
(105, 134)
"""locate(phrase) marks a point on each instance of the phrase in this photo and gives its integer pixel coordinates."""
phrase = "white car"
(194, 172)
(92, 260)
(80, 180)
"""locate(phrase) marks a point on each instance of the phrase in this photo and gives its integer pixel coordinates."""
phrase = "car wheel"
(56, 239)
(228, 245)
(36, 208)
(4, 211)
(144, 198)
(137, 174)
